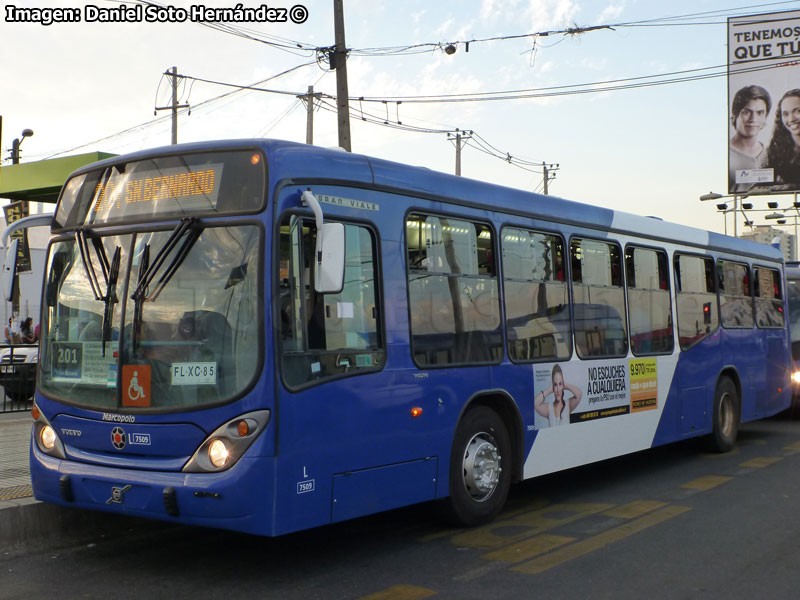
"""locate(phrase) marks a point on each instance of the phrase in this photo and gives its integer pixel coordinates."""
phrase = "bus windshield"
(164, 329)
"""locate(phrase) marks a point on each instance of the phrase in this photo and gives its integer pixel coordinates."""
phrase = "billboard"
(14, 211)
(764, 103)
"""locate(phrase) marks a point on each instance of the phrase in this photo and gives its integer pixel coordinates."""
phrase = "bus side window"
(453, 292)
(735, 296)
(599, 299)
(536, 297)
(695, 298)
(769, 298)
(328, 335)
(649, 302)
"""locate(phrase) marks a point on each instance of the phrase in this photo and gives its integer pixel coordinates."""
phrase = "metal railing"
(17, 377)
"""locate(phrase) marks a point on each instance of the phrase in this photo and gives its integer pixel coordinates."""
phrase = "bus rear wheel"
(480, 468)
(726, 416)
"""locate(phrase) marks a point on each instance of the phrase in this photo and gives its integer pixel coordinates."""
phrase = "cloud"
(551, 14)
(497, 9)
(612, 12)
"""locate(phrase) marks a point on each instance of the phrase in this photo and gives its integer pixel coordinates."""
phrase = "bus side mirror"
(329, 274)
(9, 270)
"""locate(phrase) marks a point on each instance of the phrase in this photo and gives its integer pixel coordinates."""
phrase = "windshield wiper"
(191, 238)
(137, 300)
(110, 276)
(148, 270)
(88, 264)
(111, 296)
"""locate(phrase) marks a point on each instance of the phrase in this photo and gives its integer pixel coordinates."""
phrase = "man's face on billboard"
(752, 118)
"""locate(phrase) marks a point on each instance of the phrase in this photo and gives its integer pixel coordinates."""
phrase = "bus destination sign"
(170, 189)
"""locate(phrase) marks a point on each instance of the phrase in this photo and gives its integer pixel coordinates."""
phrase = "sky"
(651, 149)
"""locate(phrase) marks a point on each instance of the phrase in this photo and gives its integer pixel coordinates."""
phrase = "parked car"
(18, 371)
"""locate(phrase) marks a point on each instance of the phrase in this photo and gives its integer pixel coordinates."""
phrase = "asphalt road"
(674, 522)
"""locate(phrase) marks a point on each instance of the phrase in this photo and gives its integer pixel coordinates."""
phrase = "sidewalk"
(27, 524)
(15, 436)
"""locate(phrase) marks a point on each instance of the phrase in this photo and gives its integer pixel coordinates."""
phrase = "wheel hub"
(481, 467)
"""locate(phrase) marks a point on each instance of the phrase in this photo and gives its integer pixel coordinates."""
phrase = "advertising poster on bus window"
(578, 392)
(764, 103)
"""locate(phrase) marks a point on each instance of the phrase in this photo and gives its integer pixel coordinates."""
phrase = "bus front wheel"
(726, 416)
(480, 468)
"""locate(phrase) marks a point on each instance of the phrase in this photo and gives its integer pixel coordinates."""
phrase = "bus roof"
(284, 158)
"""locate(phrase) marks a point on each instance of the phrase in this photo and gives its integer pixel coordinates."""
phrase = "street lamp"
(711, 196)
(722, 207)
(17, 143)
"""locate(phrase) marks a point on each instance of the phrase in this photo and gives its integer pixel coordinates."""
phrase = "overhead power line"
(475, 140)
(713, 17)
(277, 42)
(640, 81)
(181, 112)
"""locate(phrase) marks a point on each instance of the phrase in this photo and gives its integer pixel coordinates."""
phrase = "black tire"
(727, 409)
(480, 468)
(18, 396)
(15, 397)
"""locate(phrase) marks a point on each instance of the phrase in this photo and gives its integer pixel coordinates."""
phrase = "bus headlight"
(218, 453)
(227, 443)
(796, 377)
(45, 436)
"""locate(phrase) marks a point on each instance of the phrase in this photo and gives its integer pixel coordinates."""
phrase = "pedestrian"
(27, 331)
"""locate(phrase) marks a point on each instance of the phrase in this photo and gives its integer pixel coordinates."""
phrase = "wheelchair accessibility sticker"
(136, 385)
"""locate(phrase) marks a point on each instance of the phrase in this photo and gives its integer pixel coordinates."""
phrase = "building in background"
(765, 234)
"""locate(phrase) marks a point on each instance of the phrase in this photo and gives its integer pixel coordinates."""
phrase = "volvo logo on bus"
(118, 438)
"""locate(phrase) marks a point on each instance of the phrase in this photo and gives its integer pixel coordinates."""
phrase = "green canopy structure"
(41, 181)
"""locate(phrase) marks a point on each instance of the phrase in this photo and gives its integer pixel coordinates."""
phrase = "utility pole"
(338, 60)
(309, 99)
(458, 137)
(546, 178)
(174, 106)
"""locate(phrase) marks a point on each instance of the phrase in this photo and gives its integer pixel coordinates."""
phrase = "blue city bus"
(267, 336)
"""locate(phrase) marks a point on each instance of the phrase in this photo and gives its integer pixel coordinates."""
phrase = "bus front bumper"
(236, 499)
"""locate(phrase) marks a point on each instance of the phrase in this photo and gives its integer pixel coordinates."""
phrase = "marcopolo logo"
(118, 438)
(119, 418)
